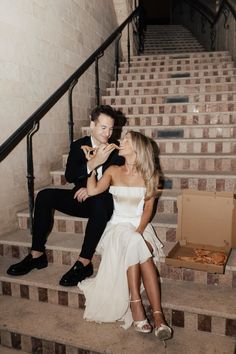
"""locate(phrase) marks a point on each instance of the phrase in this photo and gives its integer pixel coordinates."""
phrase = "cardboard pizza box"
(206, 221)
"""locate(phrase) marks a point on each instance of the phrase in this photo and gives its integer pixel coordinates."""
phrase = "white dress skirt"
(107, 294)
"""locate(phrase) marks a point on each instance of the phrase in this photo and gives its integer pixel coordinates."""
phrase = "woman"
(128, 244)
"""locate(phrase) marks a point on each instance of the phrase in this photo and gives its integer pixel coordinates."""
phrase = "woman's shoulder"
(113, 168)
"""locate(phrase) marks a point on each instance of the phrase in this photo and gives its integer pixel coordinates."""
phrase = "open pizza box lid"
(206, 220)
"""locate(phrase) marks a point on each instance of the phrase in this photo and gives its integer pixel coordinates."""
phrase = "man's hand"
(88, 151)
(81, 195)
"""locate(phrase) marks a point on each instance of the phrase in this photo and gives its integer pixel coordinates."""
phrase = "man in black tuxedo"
(76, 202)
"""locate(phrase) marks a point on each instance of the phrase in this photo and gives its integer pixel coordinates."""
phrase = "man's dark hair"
(103, 109)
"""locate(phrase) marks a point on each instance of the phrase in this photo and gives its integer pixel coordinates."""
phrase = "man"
(76, 202)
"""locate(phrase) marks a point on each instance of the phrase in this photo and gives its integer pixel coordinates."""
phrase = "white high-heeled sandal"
(163, 332)
(139, 326)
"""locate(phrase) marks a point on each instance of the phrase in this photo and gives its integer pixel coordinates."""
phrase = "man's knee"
(44, 194)
(101, 206)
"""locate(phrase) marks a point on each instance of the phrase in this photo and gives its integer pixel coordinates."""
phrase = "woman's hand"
(102, 153)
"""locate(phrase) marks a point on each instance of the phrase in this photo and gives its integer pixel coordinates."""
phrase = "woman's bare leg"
(152, 287)
(134, 282)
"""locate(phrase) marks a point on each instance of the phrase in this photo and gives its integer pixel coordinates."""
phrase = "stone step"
(167, 98)
(203, 54)
(176, 68)
(176, 61)
(164, 221)
(201, 81)
(61, 259)
(169, 39)
(197, 180)
(11, 350)
(181, 300)
(209, 163)
(172, 51)
(180, 43)
(168, 33)
(184, 119)
(43, 285)
(177, 74)
(165, 33)
(166, 41)
(63, 250)
(63, 330)
(180, 47)
(197, 162)
(201, 180)
(187, 131)
(196, 146)
(214, 89)
(177, 108)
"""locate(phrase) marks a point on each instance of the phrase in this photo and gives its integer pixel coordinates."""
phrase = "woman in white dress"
(129, 245)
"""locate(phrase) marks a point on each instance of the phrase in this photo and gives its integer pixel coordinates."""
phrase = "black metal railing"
(208, 15)
(31, 125)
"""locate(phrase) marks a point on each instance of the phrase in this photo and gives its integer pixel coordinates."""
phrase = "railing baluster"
(97, 86)
(117, 60)
(30, 174)
(128, 47)
(70, 111)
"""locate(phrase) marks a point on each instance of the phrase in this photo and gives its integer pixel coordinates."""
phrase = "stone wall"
(123, 9)
(42, 43)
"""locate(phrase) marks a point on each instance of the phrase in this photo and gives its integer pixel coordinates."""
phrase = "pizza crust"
(205, 257)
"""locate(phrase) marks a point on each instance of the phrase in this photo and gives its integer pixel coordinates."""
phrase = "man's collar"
(92, 141)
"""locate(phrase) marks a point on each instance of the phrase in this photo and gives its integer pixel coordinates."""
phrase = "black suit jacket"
(76, 167)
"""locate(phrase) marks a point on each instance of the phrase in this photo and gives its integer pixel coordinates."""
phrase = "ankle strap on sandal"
(157, 311)
(138, 300)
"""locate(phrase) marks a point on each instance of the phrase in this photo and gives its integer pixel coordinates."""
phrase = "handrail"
(26, 127)
(207, 13)
(221, 8)
(202, 9)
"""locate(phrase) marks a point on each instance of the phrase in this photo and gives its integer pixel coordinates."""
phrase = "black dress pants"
(97, 209)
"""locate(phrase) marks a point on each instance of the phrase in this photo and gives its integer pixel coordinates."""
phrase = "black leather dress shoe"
(27, 264)
(76, 274)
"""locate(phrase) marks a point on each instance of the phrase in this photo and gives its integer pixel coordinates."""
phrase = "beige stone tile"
(15, 290)
(57, 257)
(26, 343)
(190, 321)
(73, 300)
(5, 338)
(52, 296)
(200, 277)
(218, 325)
(33, 293)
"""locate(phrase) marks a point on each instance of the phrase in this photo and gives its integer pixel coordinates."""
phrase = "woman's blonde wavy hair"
(146, 161)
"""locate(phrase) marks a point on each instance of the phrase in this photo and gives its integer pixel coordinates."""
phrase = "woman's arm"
(96, 187)
(147, 213)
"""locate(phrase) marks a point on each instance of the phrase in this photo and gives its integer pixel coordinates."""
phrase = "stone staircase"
(170, 39)
(186, 103)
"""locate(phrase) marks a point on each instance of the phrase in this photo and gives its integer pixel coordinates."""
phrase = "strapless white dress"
(107, 294)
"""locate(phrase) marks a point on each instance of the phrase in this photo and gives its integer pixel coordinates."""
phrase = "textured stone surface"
(67, 332)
